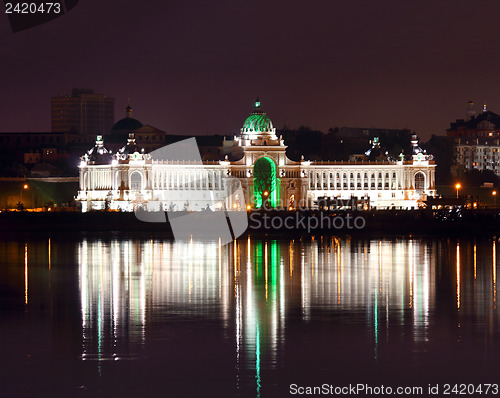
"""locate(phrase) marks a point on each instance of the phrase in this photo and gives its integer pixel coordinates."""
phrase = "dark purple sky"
(196, 66)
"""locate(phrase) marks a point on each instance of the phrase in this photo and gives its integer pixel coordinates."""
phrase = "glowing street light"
(494, 193)
(25, 186)
(457, 187)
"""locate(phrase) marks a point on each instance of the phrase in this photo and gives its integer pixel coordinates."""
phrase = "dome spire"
(128, 110)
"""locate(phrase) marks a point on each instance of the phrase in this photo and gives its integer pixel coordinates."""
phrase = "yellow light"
(266, 193)
(290, 208)
(249, 207)
(494, 193)
(458, 186)
(49, 209)
(25, 186)
(235, 206)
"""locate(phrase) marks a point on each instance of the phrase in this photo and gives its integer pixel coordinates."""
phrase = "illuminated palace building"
(131, 177)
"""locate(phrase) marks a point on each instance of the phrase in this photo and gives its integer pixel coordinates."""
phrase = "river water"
(125, 317)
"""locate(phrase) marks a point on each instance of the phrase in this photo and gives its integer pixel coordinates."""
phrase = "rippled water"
(150, 318)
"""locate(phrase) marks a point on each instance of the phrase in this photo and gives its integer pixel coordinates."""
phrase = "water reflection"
(256, 286)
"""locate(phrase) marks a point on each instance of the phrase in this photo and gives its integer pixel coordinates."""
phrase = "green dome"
(258, 121)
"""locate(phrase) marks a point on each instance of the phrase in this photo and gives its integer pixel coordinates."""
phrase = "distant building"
(479, 154)
(83, 112)
(477, 139)
(126, 125)
(34, 147)
(32, 157)
(484, 125)
(146, 136)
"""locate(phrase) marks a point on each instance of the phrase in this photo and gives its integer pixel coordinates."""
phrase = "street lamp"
(25, 186)
(494, 193)
(457, 187)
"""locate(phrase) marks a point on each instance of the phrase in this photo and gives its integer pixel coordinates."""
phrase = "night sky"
(196, 66)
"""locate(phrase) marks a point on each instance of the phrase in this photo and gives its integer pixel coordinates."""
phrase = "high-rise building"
(83, 112)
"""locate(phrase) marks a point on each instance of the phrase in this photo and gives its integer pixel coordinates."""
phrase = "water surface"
(145, 317)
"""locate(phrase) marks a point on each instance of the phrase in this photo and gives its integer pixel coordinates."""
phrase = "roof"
(131, 146)
(258, 121)
(126, 124)
(473, 123)
(98, 154)
(148, 129)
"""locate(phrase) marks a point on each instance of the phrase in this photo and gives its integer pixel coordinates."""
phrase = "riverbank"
(272, 223)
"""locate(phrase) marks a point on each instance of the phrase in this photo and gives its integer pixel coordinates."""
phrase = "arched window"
(136, 181)
(419, 182)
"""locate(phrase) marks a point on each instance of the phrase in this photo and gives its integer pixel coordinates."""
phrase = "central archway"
(136, 181)
(419, 182)
(266, 184)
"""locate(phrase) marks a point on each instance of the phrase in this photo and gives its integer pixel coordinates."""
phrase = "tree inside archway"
(266, 183)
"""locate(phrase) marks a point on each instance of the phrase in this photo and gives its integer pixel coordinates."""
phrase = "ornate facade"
(131, 177)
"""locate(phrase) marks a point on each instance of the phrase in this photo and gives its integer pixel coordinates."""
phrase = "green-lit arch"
(266, 184)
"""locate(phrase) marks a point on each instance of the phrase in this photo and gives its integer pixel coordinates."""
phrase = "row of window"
(181, 181)
(43, 138)
(354, 186)
(351, 175)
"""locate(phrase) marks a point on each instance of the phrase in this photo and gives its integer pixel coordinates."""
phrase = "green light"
(274, 261)
(258, 122)
(258, 259)
(257, 104)
(266, 183)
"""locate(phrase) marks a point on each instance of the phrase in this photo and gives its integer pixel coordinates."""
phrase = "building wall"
(479, 157)
(174, 186)
(83, 112)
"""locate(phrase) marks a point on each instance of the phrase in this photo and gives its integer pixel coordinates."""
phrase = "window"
(419, 182)
(136, 181)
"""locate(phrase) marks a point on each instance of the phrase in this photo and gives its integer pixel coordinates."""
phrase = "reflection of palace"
(251, 285)
(131, 177)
